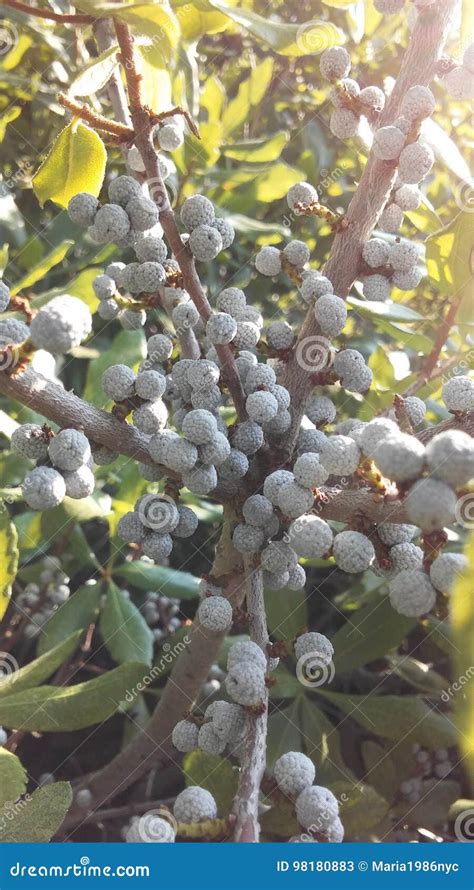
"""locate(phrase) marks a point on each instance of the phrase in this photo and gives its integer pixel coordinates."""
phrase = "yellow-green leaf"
(12, 779)
(8, 557)
(38, 818)
(257, 151)
(450, 263)
(42, 268)
(39, 669)
(462, 621)
(94, 76)
(157, 22)
(76, 163)
(195, 22)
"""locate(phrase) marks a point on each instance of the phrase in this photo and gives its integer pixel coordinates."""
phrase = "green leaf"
(397, 717)
(155, 21)
(66, 708)
(215, 774)
(462, 620)
(8, 557)
(75, 615)
(76, 163)
(127, 348)
(13, 779)
(196, 22)
(94, 76)
(284, 38)
(260, 79)
(257, 151)
(373, 631)
(124, 629)
(361, 806)
(379, 769)
(286, 612)
(389, 311)
(41, 269)
(39, 817)
(168, 582)
(39, 669)
(450, 263)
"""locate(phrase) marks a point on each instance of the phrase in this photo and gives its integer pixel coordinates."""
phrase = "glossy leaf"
(76, 163)
(74, 615)
(40, 668)
(370, 633)
(8, 557)
(168, 582)
(41, 269)
(124, 629)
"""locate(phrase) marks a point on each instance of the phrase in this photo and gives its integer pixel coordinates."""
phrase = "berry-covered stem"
(98, 121)
(143, 126)
(418, 67)
(247, 828)
(59, 17)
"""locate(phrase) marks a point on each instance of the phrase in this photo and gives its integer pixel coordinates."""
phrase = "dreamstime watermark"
(464, 195)
(8, 37)
(314, 37)
(149, 827)
(462, 366)
(9, 183)
(10, 810)
(8, 668)
(157, 512)
(9, 356)
(458, 684)
(163, 195)
(464, 510)
(464, 826)
(169, 654)
(313, 353)
(323, 822)
(313, 671)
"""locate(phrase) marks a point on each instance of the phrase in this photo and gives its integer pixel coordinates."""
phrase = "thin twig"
(429, 365)
(59, 17)
(98, 121)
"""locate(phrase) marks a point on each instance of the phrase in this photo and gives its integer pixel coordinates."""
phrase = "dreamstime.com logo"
(458, 684)
(464, 510)
(8, 668)
(149, 829)
(8, 37)
(163, 195)
(9, 357)
(10, 811)
(464, 195)
(312, 671)
(157, 511)
(312, 353)
(169, 654)
(464, 826)
(314, 37)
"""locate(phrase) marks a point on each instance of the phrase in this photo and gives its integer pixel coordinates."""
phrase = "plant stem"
(59, 17)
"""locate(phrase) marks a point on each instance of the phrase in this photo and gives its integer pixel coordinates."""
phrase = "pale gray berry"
(314, 644)
(69, 449)
(185, 316)
(274, 483)
(343, 123)
(197, 211)
(209, 741)
(159, 347)
(446, 569)
(104, 287)
(151, 248)
(388, 143)
(127, 278)
(246, 651)
(111, 223)
(170, 137)
(408, 197)
(4, 296)
(210, 399)
(310, 439)
(293, 772)
(122, 188)
(310, 536)
(150, 417)
(275, 580)
(245, 683)
(201, 479)
(142, 212)
(353, 551)
(205, 243)
(346, 87)
(231, 300)
(185, 736)
(403, 256)
(375, 252)
(108, 310)
(261, 406)
(392, 533)
(282, 396)
(430, 504)
(43, 488)
(199, 426)
(221, 328)
(215, 452)
(315, 285)
(335, 63)
(316, 805)
(247, 437)
(226, 231)
(257, 510)
(118, 382)
(80, 483)
(149, 277)
(415, 162)
(296, 578)
(301, 193)
(279, 335)
(259, 375)
(294, 500)
(188, 523)
(400, 457)
(82, 209)
(340, 455)
(373, 433)
(194, 804)
(297, 253)
(320, 409)
(376, 287)
(407, 280)
(247, 538)
(278, 556)
(391, 219)
(215, 614)
(450, 457)
(180, 455)
(406, 556)
(411, 593)
(102, 455)
(458, 394)
(113, 270)
(268, 261)
(130, 528)
(150, 385)
(418, 103)
(61, 325)
(132, 319)
(228, 719)
(156, 546)
(29, 440)
(331, 314)
(247, 336)
(235, 465)
(309, 471)
(372, 97)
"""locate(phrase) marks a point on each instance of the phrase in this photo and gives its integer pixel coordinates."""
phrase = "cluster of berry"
(64, 464)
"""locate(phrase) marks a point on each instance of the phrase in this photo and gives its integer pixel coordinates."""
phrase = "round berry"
(316, 806)
(197, 211)
(335, 63)
(293, 772)
(311, 537)
(185, 736)
(458, 394)
(411, 593)
(61, 325)
(194, 804)
(353, 551)
(446, 569)
(430, 504)
(245, 683)
(69, 449)
(43, 488)
(215, 614)
(268, 261)
(205, 243)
